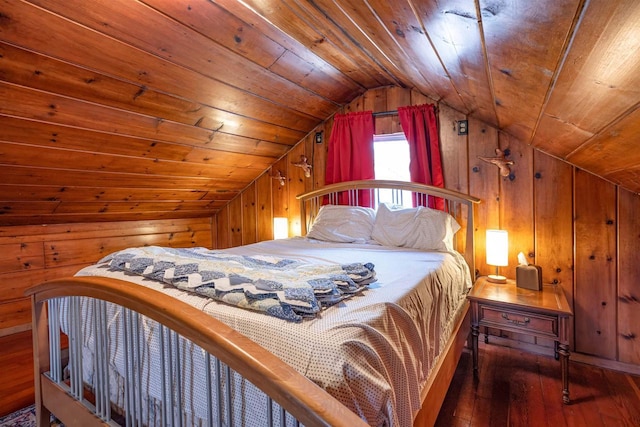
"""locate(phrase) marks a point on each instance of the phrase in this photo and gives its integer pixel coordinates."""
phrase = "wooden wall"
(582, 230)
(32, 254)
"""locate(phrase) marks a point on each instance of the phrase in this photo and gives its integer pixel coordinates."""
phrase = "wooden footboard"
(288, 391)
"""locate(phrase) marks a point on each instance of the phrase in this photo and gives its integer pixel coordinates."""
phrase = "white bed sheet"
(373, 351)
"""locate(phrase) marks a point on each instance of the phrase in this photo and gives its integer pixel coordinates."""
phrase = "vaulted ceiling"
(114, 109)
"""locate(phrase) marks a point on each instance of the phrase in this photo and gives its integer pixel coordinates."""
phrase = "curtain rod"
(385, 113)
(392, 112)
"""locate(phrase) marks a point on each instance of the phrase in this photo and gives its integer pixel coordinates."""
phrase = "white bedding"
(374, 351)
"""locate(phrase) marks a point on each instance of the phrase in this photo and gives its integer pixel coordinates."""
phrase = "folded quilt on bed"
(284, 288)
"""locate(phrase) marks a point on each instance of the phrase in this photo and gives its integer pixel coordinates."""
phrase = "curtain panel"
(350, 154)
(420, 126)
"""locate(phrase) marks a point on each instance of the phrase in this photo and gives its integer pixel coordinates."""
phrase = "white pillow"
(418, 228)
(343, 224)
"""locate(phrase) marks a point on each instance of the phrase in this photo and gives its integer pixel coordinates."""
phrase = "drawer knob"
(523, 322)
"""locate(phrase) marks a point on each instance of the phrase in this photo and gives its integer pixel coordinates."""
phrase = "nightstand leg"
(475, 331)
(563, 349)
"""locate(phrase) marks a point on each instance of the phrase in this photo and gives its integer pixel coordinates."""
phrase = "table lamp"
(497, 253)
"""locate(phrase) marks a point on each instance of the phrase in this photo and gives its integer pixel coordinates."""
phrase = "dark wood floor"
(513, 388)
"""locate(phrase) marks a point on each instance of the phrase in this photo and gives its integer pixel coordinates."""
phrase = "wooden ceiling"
(124, 109)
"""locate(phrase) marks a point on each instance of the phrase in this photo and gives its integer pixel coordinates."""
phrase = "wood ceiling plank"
(338, 29)
(22, 155)
(115, 145)
(19, 175)
(38, 30)
(599, 80)
(223, 158)
(44, 193)
(612, 150)
(27, 103)
(302, 35)
(142, 27)
(404, 29)
(218, 24)
(627, 178)
(31, 69)
(452, 27)
(239, 144)
(307, 75)
(552, 135)
(45, 106)
(357, 25)
(222, 27)
(132, 207)
(26, 131)
(524, 42)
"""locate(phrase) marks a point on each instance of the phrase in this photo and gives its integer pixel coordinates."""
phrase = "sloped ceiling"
(123, 109)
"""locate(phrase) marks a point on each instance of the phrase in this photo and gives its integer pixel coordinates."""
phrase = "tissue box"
(529, 277)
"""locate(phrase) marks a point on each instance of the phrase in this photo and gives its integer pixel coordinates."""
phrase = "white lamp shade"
(497, 248)
(280, 228)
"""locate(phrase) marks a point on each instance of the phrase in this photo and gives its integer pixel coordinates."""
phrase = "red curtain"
(420, 126)
(350, 155)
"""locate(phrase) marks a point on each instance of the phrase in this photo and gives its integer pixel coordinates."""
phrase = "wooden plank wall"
(582, 230)
(32, 254)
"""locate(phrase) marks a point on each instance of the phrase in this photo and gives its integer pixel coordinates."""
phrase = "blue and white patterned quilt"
(285, 288)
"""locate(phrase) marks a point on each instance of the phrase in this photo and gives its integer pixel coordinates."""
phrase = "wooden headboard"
(459, 205)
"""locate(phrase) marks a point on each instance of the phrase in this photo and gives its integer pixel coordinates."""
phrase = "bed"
(372, 337)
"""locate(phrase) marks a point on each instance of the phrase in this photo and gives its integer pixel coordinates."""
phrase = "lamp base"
(494, 278)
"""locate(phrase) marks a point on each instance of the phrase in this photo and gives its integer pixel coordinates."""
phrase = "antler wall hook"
(280, 177)
(500, 161)
(306, 167)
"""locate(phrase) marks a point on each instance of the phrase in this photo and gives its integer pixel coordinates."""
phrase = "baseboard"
(15, 329)
(575, 357)
(605, 363)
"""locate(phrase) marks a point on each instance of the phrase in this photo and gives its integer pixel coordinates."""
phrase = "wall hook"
(280, 177)
(500, 161)
(306, 167)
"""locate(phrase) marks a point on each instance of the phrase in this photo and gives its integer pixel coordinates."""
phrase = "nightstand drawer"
(537, 323)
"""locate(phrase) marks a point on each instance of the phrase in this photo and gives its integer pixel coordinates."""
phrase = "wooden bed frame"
(290, 391)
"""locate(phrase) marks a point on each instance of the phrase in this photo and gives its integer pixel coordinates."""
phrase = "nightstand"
(543, 314)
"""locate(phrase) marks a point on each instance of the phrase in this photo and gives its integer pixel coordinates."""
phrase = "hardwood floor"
(515, 388)
(16, 372)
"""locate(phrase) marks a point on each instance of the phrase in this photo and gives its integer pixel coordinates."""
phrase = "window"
(391, 161)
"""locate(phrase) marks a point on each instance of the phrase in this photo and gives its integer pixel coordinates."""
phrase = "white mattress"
(374, 351)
